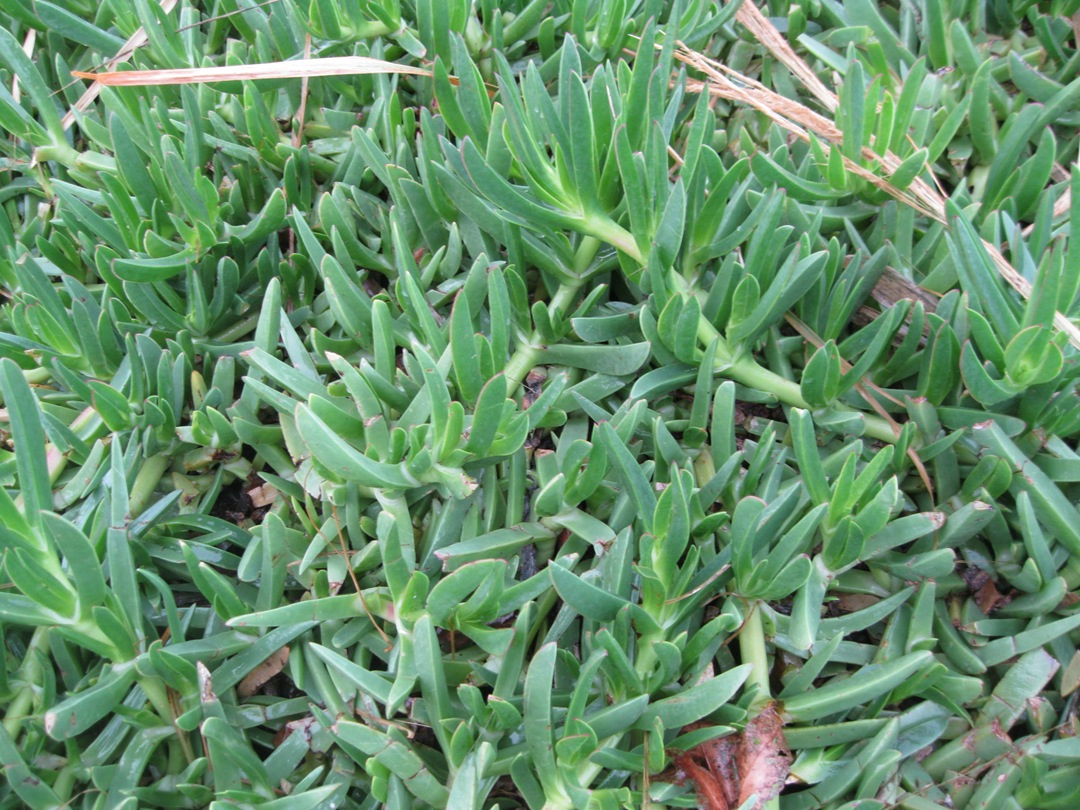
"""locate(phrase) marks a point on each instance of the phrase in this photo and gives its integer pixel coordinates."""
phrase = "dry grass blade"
(28, 49)
(920, 195)
(777, 45)
(802, 121)
(767, 33)
(930, 200)
(301, 114)
(293, 69)
(813, 339)
(135, 41)
(1061, 207)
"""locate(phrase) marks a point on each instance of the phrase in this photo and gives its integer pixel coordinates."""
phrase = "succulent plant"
(549, 404)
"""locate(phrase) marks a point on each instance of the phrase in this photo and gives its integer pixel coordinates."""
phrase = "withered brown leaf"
(989, 599)
(764, 758)
(729, 771)
(985, 591)
(710, 790)
(263, 673)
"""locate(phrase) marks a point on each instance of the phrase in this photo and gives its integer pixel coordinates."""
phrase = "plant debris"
(752, 764)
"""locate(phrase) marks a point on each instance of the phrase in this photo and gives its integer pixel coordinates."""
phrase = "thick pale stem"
(55, 460)
(179, 747)
(617, 236)
(30, 673)
(646, 658)
(65, 781)
(527, 354)
(749, 373)
(752, 647)
(744, 369)
(61, 152)
(753, 650)
(521, 362)
(586, 774)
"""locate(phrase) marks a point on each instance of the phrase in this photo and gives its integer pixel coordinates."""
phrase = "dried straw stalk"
(802, 121)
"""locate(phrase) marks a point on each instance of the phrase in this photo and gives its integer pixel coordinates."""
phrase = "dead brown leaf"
(982, 587)
(532, 387)
(989, 599)
(764, 758)
(263, 495)
(723, 755)
(709, 789)
(303, 726)
(263, 673)
(852, 602)
(892, 287)
(974, 578)
(729, 771)
(206, 683)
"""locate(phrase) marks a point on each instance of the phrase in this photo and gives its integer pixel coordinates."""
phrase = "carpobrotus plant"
(585, 404)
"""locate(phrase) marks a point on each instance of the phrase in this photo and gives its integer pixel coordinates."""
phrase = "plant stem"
(55, 460)
(587, 773)
(370, 30)
(34, 376)
(60, 151)
(744, 369)
(752, 648)
(527, 354)
(617, 236)
(30, 673)
(159, 699)
(646, 657)
(65, 781)
(749, 373)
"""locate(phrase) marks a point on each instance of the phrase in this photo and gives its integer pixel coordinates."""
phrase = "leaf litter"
(751, 764)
